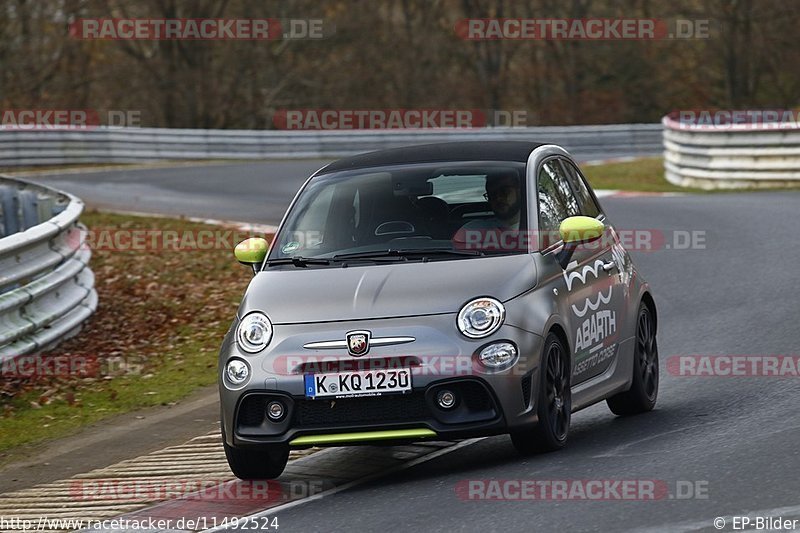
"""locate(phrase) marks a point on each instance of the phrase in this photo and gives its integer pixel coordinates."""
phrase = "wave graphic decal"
(593, 305)
(570, 277)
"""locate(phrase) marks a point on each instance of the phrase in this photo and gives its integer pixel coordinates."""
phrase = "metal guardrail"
(132, 145)
(726, 157)
(46, 285)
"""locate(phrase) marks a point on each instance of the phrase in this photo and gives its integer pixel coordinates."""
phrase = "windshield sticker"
(290, 247)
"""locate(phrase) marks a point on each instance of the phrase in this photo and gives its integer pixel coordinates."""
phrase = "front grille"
(365, 410)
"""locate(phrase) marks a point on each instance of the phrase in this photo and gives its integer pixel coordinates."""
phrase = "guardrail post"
(45, 208)
(30, 209)
(9, 203)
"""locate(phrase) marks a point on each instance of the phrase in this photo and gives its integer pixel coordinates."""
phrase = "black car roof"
(424, 153)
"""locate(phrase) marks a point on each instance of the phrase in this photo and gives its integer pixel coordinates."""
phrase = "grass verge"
(645, 175)
(161, 318)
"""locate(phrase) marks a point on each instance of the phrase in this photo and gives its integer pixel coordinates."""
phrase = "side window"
(556, 201)
(585, 200)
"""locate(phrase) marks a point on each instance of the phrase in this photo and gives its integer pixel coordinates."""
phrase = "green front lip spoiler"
(365, 436)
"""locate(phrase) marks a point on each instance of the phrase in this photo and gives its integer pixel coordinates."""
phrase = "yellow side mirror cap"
(251, 251)
(580, 229)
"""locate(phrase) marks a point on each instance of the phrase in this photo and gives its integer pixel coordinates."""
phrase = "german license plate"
(360, 383)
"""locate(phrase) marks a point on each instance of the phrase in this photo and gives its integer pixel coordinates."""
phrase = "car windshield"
(433, 210)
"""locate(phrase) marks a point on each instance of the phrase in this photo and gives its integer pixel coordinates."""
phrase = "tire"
(266, 462)
(642, 395)
(554, 402)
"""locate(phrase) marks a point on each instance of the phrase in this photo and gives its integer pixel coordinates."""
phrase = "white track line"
(354, 483)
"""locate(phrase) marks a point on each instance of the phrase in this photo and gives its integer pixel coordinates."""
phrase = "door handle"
(608, 267)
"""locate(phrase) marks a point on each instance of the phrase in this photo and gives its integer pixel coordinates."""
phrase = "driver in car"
(503, 194)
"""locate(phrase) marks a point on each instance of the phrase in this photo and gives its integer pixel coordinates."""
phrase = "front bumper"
(489, 402)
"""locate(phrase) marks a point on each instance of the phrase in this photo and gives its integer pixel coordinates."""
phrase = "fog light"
(498, 355)
(237, 371)
(446, 399)
(275, 411)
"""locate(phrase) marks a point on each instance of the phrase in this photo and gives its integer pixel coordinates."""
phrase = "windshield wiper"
(405, 252)
(299, 261)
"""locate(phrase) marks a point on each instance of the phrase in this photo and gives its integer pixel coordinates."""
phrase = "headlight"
(254, 332)
(498, 355)
(237, 371)
(481, 317)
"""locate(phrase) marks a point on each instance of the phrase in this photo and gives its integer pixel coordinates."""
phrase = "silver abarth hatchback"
(442, 291)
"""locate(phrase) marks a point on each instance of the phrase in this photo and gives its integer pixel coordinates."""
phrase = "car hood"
(302, 295)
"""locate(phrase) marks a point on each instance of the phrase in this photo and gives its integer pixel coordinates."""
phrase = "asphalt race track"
(733, 439)
(252, 191)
